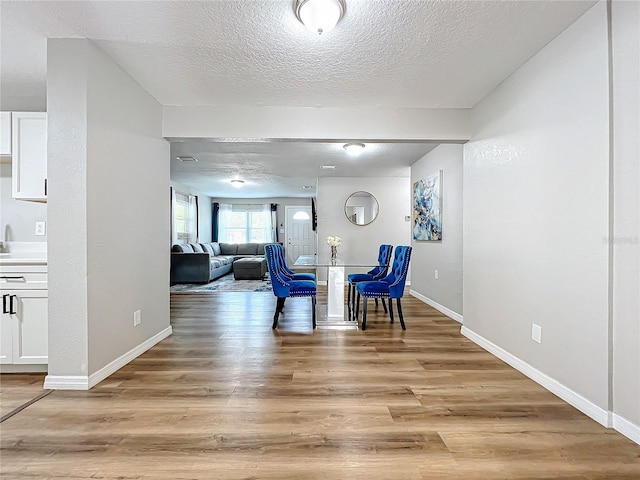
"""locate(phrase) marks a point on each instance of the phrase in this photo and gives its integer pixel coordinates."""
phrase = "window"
(300, 215)
(185, 218)
(245, 223)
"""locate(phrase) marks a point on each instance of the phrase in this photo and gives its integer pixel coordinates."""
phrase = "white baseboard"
(85, 382)
(66, 382)
(587, 407)
(441, 308)
(24, 368)
(627, 428)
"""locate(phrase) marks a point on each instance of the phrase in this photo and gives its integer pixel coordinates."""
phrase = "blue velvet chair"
(287, 271)
(384, 256)
(391, 286)
(284, 287)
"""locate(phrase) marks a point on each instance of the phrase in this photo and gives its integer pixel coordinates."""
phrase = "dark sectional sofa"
(204, 262)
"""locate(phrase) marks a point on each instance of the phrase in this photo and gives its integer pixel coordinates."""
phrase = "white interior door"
(299, 237)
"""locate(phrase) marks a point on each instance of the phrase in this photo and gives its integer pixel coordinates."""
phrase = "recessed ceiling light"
(328, 167)
(187, 159)
(307, 187)
(353, 148)
(237, 183)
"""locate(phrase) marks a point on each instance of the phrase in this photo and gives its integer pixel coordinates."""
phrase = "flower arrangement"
(334, 242)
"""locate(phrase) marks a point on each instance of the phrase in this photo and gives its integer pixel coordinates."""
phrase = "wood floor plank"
(227, 397)
(17, 389)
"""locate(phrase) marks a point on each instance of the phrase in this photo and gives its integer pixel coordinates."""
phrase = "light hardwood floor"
(225, 397)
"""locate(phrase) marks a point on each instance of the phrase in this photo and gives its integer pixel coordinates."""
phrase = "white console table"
(336, 314)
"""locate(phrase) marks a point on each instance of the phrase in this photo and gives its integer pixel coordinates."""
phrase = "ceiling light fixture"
(353, 148)
(328, 167)
(319, 16)
(237, 183)
(187, 159)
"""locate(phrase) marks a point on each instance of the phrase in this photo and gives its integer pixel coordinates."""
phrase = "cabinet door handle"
(4, 303)
(11, 311)
(8, 277)
(45, 187)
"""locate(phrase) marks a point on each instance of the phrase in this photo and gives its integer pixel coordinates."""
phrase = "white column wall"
(67, 207)
(127, 211)
(108, 205)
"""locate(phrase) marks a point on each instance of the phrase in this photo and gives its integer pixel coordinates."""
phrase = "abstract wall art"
(427, 208)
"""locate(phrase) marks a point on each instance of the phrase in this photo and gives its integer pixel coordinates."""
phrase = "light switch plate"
(536, 333)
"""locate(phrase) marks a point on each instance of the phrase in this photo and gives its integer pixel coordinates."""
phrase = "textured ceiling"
(276, 169)
(384, 53)
(390, 53)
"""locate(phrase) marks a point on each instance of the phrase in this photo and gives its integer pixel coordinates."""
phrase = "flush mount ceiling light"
(319, 16)
(328, 167)
(237, 183)
(187, 159)
(353, 148)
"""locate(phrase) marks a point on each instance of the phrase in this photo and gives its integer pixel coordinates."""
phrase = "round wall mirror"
(361, 208)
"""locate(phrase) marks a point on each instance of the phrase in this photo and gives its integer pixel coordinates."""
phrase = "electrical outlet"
(137, 320)
(435, 274)
(41, 228)
(536, 333)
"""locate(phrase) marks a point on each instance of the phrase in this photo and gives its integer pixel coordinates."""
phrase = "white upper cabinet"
(5, 133)
(29, 155)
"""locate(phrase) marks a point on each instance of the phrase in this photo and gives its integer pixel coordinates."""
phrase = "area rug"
(224, 284)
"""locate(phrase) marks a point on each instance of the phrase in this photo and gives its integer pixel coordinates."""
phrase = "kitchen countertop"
(23, 258)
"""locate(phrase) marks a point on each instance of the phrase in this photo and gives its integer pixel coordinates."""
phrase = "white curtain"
(193, 219)
(174, 229)
(224, 222)
(268, 223)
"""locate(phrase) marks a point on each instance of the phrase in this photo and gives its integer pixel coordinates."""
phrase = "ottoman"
(249, 268)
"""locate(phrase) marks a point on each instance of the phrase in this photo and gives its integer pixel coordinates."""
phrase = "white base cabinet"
(24, 321)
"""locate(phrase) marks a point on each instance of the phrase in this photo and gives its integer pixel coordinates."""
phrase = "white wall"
(108, 211)
(446, 255)
(17, 217)
(626, 231)
(204, 211)
(360, 243)
(536, 190)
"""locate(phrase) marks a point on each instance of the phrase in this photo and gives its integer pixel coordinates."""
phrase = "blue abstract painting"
(427, 208)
